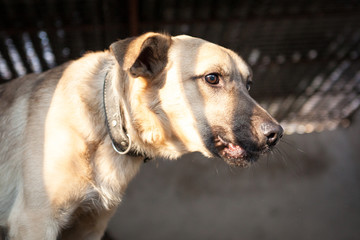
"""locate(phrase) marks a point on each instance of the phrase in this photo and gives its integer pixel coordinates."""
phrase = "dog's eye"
(212, 78)
(248, 85)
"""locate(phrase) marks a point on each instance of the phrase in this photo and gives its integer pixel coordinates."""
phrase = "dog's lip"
(233, 154)
(230, 150)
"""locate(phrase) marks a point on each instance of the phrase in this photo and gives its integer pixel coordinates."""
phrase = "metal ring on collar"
(126, 151)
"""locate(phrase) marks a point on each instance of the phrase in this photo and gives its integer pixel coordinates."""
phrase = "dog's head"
(186, 94)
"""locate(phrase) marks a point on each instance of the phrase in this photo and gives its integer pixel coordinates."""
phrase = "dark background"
(304, 54)
(305, 58)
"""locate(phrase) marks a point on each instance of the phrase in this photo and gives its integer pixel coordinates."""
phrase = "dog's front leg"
(48, 191)
(28, 223)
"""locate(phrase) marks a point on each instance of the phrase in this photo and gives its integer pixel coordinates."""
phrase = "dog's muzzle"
(243, 151)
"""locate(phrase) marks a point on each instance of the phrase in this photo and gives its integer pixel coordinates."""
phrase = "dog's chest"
(100, 199)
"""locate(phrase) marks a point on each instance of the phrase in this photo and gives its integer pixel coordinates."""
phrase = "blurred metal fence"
(305, 54)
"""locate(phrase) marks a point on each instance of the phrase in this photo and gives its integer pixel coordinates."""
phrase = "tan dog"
(73, 137)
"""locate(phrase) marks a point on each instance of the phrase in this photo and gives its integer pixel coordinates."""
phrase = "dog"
(73, 137)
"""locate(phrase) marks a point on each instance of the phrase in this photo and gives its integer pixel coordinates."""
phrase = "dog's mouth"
(235, 154)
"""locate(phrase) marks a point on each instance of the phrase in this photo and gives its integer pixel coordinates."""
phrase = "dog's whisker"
(296, 166)
(276, 152)
(267, 160)
(217, 170)
(291, 145)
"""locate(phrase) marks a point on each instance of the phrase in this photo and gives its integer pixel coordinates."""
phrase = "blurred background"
(305, 56)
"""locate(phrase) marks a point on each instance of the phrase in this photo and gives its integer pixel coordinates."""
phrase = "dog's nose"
(272, 131)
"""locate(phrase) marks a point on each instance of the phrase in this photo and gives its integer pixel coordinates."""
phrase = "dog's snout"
(272, 131)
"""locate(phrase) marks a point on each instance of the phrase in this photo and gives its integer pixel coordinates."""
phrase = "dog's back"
(16, 104)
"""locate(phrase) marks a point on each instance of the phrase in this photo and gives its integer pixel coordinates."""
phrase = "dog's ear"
(145, 56)
(119, 49)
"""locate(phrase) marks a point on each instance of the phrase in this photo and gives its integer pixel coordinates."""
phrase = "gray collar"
(121, 140)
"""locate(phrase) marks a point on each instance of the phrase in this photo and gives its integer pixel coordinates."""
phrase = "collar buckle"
(126, 150)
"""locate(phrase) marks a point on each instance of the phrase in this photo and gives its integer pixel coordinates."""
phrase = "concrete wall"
(309, 189)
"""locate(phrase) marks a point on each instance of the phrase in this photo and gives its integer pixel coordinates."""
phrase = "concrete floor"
(310, 190)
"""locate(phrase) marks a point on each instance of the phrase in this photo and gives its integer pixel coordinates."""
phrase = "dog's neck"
(114, 117)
